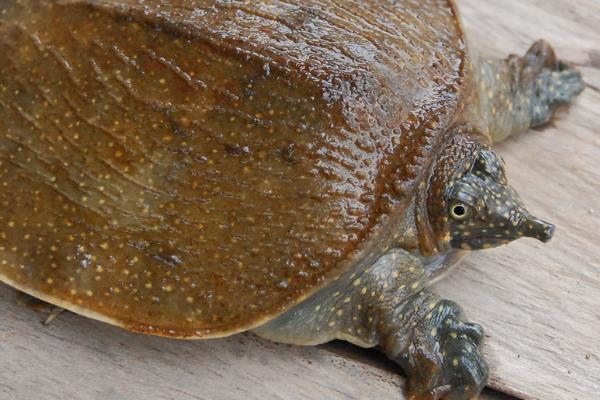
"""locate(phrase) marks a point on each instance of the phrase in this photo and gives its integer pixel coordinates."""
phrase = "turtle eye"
(460, 211)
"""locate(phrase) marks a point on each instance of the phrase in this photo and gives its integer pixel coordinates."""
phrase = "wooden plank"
(81, 359)
(539, 303)
(77, 358)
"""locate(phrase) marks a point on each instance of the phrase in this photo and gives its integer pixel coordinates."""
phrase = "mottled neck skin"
(468, 203)
(456, 158)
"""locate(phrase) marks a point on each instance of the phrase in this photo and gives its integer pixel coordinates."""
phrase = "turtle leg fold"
(390, 306)
(524, 92)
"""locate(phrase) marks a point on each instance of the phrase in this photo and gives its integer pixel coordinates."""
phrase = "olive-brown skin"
(196, 171)
(195, 168)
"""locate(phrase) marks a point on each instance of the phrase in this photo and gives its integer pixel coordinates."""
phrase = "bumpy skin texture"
(390, 305)
(192, 168)
(470, 206)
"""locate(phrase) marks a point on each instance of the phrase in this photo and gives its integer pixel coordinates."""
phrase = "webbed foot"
(390, 305)
(443, 360)
(553, 82)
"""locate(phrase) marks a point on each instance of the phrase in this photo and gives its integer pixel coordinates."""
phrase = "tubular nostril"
(547, 233)
(539, 229)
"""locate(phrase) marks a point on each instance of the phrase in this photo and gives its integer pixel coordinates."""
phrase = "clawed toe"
(472, 331)
(464, 371)
(540, 56)
(444, 360)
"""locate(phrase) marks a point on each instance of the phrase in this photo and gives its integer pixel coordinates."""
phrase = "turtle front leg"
(523, 92)
(389, 305)
(443, 360)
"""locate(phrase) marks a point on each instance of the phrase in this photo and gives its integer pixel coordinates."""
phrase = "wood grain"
(539, 303)
(80, 359)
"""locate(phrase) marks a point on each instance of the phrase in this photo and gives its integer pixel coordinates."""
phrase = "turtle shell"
(193, 168)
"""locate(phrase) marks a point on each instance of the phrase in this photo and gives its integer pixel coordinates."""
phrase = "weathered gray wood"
(80, 359)
(77, 358)
(539, 303)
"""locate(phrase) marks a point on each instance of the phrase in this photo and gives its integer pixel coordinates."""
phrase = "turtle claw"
(52, 315)
(540, 56)
(472, 331)
(444, 360)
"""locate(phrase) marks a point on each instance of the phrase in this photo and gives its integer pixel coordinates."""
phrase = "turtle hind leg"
(51, 311)
(553, 89)
(524, 92)
(389, 305)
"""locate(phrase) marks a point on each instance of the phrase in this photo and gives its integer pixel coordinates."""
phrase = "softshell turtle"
(198, 168)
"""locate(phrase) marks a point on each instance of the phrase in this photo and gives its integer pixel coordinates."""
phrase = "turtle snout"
(538, 229)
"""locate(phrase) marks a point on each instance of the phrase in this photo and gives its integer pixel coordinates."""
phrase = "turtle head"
(471, 206)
